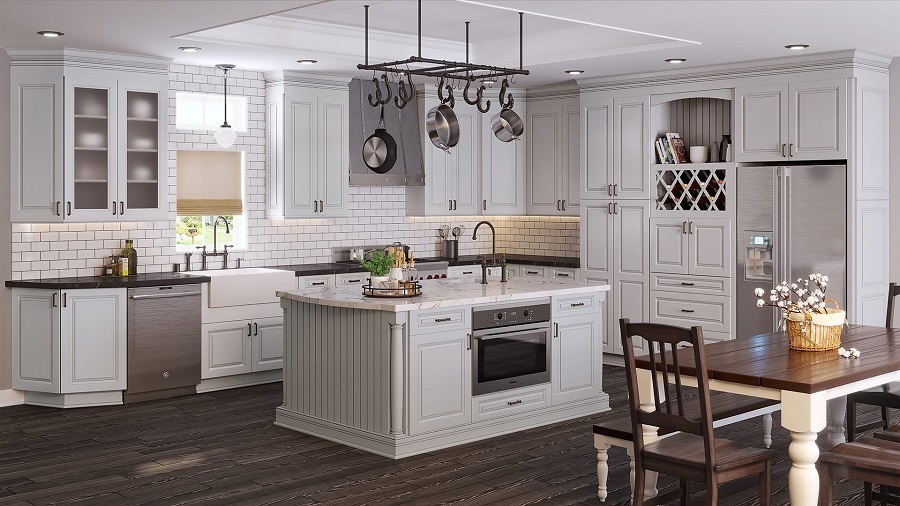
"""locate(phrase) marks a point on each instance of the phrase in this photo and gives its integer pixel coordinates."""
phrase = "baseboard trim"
(615, 360)
(11, 397)
(239, 380)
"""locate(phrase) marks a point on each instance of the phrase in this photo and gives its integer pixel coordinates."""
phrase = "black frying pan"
(380, 149)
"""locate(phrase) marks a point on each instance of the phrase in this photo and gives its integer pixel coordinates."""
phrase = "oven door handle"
(488, 334)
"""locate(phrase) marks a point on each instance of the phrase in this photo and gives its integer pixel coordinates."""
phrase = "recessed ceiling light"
(50, 33)
(574, 72)
(307, 62)
(796, 46)
(190, 49)
(676, 60)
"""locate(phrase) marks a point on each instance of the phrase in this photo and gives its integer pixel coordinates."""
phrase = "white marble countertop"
(442, 293)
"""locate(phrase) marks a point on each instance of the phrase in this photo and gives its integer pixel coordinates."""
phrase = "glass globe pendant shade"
(225, 136)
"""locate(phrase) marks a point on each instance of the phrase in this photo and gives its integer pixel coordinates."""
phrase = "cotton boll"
(760, 303)
(824, 279)
(759, 292)
(773, 298)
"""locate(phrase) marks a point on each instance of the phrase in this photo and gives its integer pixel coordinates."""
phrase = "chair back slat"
(663, 342)
(893, 292)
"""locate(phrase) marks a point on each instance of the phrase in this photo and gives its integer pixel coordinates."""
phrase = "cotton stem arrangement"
(804, 296)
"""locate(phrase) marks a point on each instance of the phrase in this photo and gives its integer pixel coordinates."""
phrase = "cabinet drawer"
(582, 303)
(460, 271)
(440, 320)
(691, 284)
(485, 407)
(712, 312)
(563, 274)
(532, 271)
(315, 281)
(351, 278)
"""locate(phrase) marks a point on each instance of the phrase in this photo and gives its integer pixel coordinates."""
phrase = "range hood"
(402, 124)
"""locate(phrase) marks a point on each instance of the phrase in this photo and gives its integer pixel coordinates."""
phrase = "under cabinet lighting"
(574, 72)
(676, 60)
(307, 62)
(50, 33)
(796, 46)
(190, 49)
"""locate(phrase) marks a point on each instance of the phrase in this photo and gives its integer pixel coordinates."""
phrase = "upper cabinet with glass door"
(88, 144)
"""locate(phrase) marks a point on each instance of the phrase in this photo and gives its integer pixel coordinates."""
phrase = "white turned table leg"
(650, 433)
(767, 430)
(602, 471)
(397, 378)
(837, 412)
(803, 479)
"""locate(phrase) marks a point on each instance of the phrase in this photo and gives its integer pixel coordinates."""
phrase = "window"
(193, 231)
(203, 111)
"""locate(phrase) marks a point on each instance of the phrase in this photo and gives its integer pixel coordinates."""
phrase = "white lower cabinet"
(440, 381)
(268, 344)
(351, 279)
(563, 274)
(510, 402)
(241, 347)
(69, 341)
(577, 358)
(533, 271)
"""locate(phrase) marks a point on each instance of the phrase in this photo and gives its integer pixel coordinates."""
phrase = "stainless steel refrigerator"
(791, 222)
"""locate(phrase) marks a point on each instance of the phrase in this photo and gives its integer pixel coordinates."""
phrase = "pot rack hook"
(479, 97)
(440, 88)
(506, 100)
(375, 101)
(403, 97)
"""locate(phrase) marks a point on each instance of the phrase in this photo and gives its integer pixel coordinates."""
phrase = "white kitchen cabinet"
(553, 162)
(93, 148)
(701, 246)
(323, 280)
(686, 309)
(307, 148)
(440, 381)
(533, 271)
(69, 341)
(226, 349)
(796, 121)
(464, 271)
(577, 358)
(268, 344)
(503, 167)
(631, 148)
(616, 252)
(351, 279)
(562, 274)
(451, 177)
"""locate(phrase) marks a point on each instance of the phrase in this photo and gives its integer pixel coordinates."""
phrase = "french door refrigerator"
(791, 222)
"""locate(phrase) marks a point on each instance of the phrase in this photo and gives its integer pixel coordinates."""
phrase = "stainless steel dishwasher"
(163, 342)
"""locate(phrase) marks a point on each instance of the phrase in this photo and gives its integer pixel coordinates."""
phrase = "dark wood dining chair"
(692, 452)
(882, 396)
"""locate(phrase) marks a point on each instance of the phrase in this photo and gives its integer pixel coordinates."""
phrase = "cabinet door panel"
(760, 123)
(577, 359)
(544, 160)
(610, 342)
(143, 182)
(300, 158)
(571, 173)
(632, 237)
(226, 349)
(712, 312)
(93, 348)
(465, 174)
(872, 156)
(710, 247)
(268, 344)
(35, 346)
(440, 381)
(91, 140)
(818, 120)
(502, 169)
(598, 243)
(668, 246)
(632, 147)
(334, 158)
(36, 146)
(632, 301)
(597, 157)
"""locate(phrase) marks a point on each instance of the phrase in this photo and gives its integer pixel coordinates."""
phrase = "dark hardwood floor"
(222, 448)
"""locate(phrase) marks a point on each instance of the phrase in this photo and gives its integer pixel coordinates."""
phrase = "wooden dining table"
(811, 386)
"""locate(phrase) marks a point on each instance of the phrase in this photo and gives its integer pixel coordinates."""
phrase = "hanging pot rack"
(442, 70)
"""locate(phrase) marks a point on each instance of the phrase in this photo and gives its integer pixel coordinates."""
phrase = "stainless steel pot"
(441, 122)
(507, 125)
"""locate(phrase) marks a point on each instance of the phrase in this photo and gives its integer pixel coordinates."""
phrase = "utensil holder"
(451, 249)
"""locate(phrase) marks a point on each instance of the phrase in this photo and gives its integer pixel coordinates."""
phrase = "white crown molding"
(568, 89)
(86, 58)
(306, 79)
(835, 60)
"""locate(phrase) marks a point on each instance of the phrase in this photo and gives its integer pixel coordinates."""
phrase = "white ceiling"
(273, 34)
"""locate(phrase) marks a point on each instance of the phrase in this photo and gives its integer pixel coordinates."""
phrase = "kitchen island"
(399, 377)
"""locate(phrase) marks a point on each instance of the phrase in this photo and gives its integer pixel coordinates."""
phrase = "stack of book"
(670, 149)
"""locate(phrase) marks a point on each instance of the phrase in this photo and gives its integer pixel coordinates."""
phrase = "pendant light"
(225, 135)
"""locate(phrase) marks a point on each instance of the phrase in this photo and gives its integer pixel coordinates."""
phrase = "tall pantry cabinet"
(88, 136)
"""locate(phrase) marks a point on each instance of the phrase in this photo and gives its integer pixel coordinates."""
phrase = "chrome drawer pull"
(164, 295)
(513, 403)
(317, 283)
(687, 310)
(687, 284)
(353, 281)
(578, 304)
(441, 320)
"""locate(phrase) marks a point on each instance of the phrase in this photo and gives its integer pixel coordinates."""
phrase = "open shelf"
(700, 121)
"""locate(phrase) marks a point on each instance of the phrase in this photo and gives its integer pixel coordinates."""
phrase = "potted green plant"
(379, 265)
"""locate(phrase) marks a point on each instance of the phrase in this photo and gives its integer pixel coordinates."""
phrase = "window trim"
(238, 111)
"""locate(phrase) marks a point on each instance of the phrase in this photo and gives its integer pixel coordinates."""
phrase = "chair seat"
(892, 434)
(867, 453)
(687, 450)
(724, 405)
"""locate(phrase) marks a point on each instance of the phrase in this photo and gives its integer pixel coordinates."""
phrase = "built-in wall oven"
(510, 346)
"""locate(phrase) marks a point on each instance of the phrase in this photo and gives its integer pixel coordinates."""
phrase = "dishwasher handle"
(163, 295)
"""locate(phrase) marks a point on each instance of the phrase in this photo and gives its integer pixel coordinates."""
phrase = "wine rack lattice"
(690, 189)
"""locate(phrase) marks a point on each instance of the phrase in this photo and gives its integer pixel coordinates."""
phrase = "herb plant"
(378, 263)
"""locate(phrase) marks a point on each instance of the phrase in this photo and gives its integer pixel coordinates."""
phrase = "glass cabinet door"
(143, 170)
(90, 141)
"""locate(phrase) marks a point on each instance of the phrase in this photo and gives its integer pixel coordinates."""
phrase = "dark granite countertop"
(341, 268)
(151, 279)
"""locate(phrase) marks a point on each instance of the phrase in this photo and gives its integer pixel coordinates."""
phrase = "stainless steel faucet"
(215, 252)
(484, 265)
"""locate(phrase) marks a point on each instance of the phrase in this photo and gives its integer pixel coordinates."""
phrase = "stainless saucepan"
(506, 124)
(441, 121)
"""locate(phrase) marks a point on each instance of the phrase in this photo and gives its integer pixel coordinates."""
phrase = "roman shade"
(209, 183)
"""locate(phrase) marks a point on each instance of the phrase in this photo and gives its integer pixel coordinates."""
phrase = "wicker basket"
(816, 332)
